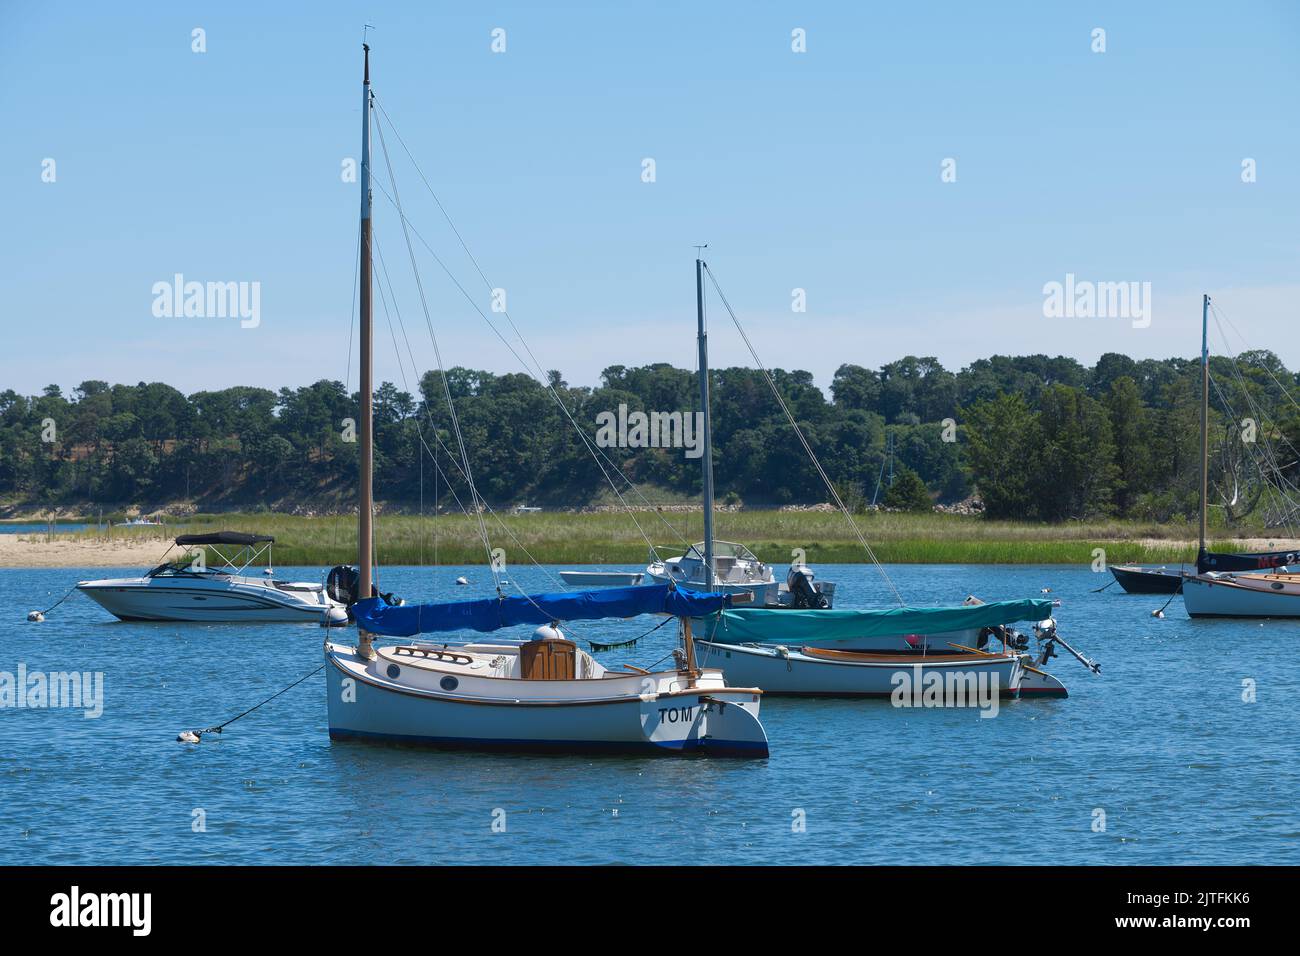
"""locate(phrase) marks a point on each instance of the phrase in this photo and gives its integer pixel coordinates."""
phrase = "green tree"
(908, 492)
(1001, 441)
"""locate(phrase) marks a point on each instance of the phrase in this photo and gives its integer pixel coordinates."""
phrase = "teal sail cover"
(770, 626)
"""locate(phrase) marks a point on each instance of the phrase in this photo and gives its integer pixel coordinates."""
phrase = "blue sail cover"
(490, 614)
(764, 626)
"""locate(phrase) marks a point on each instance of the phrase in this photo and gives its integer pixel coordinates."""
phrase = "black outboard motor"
(803, 592)
(344, 585)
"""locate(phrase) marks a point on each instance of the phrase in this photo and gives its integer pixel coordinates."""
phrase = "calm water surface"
(1184, 770)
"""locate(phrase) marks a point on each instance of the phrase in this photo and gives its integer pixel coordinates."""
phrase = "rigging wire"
(534, 369)
(1267, 452)
(446, 386)
(433, 425)
(802, 440)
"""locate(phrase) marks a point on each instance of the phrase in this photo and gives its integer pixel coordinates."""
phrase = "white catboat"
(601, 579)
(544, 694)
(1219, 594)
(193, 590)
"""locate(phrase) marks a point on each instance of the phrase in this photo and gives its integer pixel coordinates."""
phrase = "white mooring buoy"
(35, 616)
(462, 580)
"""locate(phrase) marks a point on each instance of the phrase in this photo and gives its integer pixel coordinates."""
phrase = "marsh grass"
(612, 538)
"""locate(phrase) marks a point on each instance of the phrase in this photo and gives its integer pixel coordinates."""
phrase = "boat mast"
(365, 485)
(707, 458)
(1205, 423)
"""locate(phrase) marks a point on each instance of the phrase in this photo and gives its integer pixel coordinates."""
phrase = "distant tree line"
(1034, 437)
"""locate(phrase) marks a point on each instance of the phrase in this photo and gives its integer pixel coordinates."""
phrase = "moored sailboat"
(543, 694)
(1223, 585)
(804, 648)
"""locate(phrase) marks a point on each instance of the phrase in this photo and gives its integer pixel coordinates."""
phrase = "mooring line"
(193, 736)
(38, 616)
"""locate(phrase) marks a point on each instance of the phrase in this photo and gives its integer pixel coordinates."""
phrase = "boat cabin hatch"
(548, 658)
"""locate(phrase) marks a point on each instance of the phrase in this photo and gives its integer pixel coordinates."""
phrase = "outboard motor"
(344, 585)
(804, 594)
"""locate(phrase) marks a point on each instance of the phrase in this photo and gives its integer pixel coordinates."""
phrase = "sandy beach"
(65, 551)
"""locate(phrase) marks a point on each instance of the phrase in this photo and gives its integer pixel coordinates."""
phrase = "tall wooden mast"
(365, 430)
(707, 459)
(1205, 423)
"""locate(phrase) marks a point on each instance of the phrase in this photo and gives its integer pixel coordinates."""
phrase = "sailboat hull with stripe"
(462, 699)
(1242, 595)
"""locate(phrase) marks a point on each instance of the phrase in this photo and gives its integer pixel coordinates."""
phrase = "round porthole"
(449, 683)
(393, 670)
(1277, 585)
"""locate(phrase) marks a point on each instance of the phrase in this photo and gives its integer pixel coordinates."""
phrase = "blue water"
(1184, 770)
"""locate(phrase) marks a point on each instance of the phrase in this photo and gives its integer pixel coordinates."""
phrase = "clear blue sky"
(818, 170)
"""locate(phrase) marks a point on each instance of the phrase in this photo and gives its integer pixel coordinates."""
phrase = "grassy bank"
(612, 538)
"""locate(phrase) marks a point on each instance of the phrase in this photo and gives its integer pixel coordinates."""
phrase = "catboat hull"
(216, 600)
(653, 713)
(811, 672)
(1241, 596)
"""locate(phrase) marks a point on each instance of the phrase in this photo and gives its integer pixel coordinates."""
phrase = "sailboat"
(544, 694)
(1223, 585)
(809, 649)
(725, 566)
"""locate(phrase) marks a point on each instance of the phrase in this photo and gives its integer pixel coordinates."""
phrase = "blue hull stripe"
(712, 747)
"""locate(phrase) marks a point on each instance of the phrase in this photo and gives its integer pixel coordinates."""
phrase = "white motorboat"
(601, 579)
(544, 694)
(735, 569)
(192, 589)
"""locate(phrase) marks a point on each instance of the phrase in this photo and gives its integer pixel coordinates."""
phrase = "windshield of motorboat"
(181, 565)
(723, 549)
